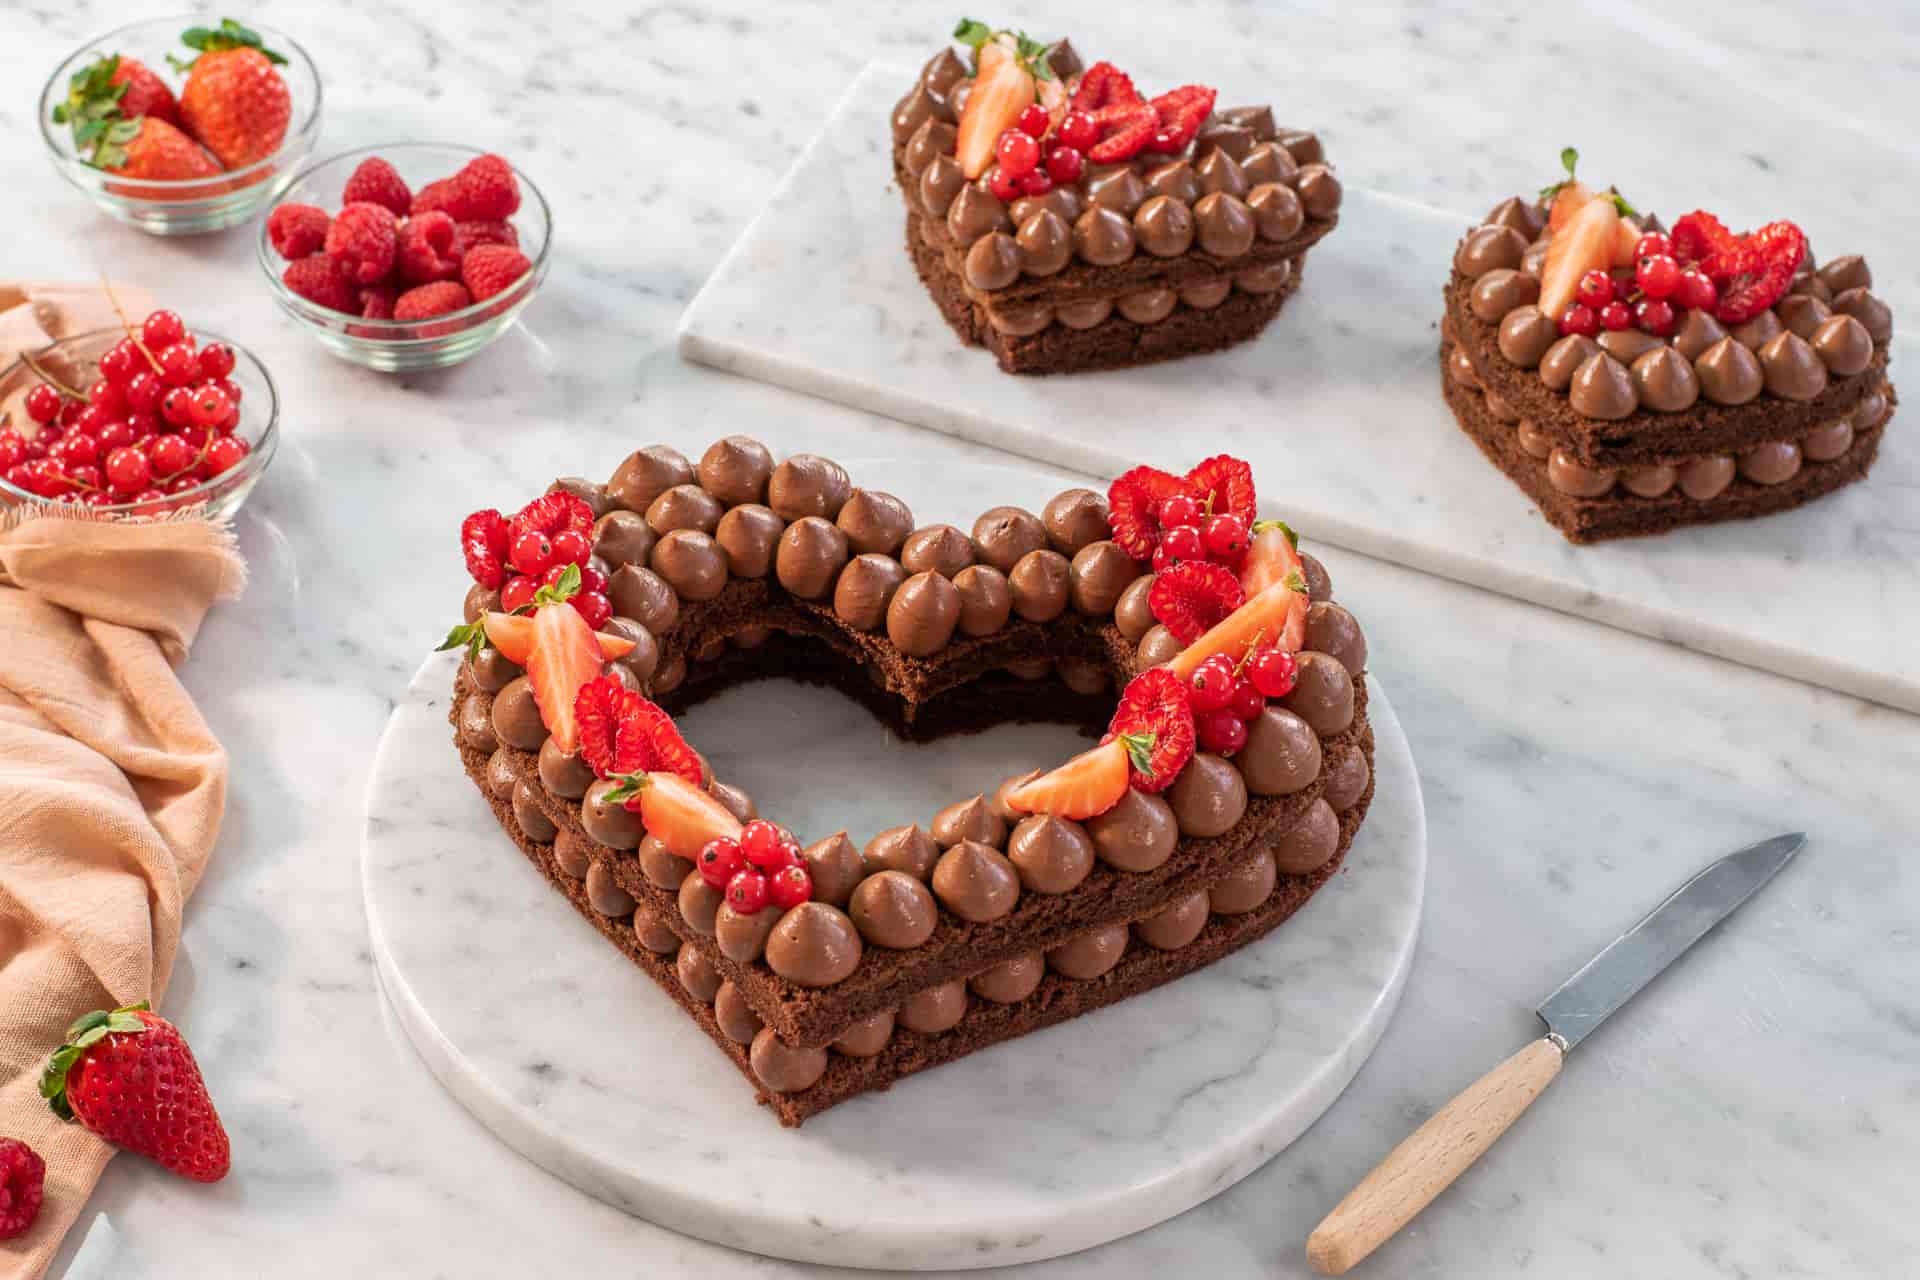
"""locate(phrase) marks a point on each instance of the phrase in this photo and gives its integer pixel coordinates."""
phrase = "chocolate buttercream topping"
(1282, 754)
(1158, 646)
(1051, 855)
(1828, 441)
(1134, 613)
(1302, 144)
(623, 537)
(874, 522)
(493, 670)
(650, 927)
(1322, 694)
(1164, 227)
(609, 822)
(941, 182)
(1775, 462)
(697, 974)
(993, 262)
(1063, 202)
(999, 798)
(808, 485)
(1175, 180)
(1039, 585)
(1098, 575)
(1628, 345)
(1872, 409)
(501, 775)
(864, 590)
(1220, 172)
(1500, 291)
(1759, 331)
(1347, 776)
(1307, 844)
(660, 865)
(933, 139)
(1868, 310)
(646, 474)
(1257, 119)
(1729, 373)
(748, 536)
(1490, 248)
(1091, 954)
(1223, 224)
(567, 776)
(893, 910)
(1086, 678)
(1705, 478)
(735, 470)
(936, 1009)
(867, 1036)
(1333, 630)
(1269, 162)
(781, 1069)
(1570, 476)
(938, 548)
(976, 882)
(836, 867)
(1319, 189)
(1073, 519)
(1223, 135)
(1843, 345)
(811, 554)
(976, 212)
(1501, 409)
(922, 615)
(691, 563)
(1210, 796)
(1802, 314)
(476, 724)
(1697, 334)
(1319, 582)
(1103, 237)
(1523, 216)
(516, 718)
(644, 596)
(1460, 368)
(1003, 535)
(813, 945)
(1846, 272)
(1602, 388)
(970, 819)
(986, 599)
(1120, 190)
(1526, 335)
(479, 600)
(1019, 319)
(738, 1022)
(742, 939)
(1792, 370)
(670, 676)
(907, 849)
(1277, 212)
(1264, 277)
(1174, 926)
(685, 506)
(1064, 61)
(1010, 981)
(1649, 480)
(1044, 242)
(1564, 358)
(570, 855)
(534, 822)
(1245, 887)
(943, 70)
(1665, 380)
(1085, 314)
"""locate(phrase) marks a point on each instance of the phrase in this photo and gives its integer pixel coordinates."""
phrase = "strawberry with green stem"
(235, 101)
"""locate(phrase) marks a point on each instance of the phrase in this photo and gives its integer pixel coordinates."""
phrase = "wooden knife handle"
(1428, 1161)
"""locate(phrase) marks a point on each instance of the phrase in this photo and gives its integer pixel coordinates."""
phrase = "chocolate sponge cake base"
(1057, 999)
(1620, 514)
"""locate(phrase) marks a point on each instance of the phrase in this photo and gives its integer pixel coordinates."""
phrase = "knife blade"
(1443, 1148)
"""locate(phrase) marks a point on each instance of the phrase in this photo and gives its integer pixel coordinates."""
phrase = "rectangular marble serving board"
(1337, 405)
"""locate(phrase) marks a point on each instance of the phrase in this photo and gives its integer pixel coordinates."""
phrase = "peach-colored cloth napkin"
(111, 794)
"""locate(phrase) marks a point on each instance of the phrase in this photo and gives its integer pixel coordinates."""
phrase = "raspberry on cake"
(1066, 221)
(1231, 778)
(1632, 379)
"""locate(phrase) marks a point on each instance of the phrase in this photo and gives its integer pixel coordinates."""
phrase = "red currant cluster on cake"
(1645, 297)
(762, 865)
(157, 422)
(1226, 695)
(534, 548)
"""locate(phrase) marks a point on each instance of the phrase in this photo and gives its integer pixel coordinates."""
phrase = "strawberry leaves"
(471, 636)
(1034, 55)
(86, 1031)
(228, 35)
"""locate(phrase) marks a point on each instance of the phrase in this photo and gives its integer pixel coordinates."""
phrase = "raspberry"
(469, 236)
(434, 196)
(428, 249)
(483, 191)
(363, 242)
(1133, 505)
(551, 513)
(377, 182)
(622, 732)
(376, 302)
(297, 230)
(1225, 486)
(1192, 597)
(318, 280)
(23, 1176)
(492, 269)
(430, 300)
(1155, 720)
(1181, 112)
(1103, 85)
(1126, 129)
(483, 540)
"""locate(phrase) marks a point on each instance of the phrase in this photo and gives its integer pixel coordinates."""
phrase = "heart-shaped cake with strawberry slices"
(1231, 761)
(1065, 220)
(1632, 379)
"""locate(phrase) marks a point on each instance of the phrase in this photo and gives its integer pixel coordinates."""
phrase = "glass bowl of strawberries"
(139, 421)
(179, 127)
(407, 256)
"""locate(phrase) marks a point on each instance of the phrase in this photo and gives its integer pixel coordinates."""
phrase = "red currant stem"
(127, 324)
(1253, 645)
(50, 380)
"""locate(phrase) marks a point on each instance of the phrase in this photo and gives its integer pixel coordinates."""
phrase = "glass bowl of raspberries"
(407, 256)
(139, 421)
(182, 125)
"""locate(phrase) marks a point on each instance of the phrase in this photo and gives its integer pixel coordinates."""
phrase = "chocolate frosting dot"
(867, 1036)
(865, 588)
(938, 548)
(691, 563)
(645, 654)
(986, 599)
(1319, 583)
(993, 261)
(1802, 314)
(743, 938)
(738, 1022)
(781, 1069)
(646, 474)
(1074, 518)
(1649, 480)
(1062, 202)
(735, 469)
(737, 802)
(969, 819)
(1665, 380)
(999, 798)
(1500, 291)
(1086, 678)
(1269, 162)
(1090, 955)
(1174, 180)
(893, 910)
(566, 776)
(478, 600)
(1224, 224)
(811, 552)
(922, 615)
(808, 485)
(1729, 373)
(1322, 694)
(516, 717)
(476, 724)
(1010, 981)
(1098, 575)
(1220, 172)
(1039, 584)
(1602, 388)
(502, 777)
(1002, 535)
(940, 182)
(1775, 462)
(1120, 190)
(609, 822)
(1282, 754)
(1164, 227)
(1792, 370)
(1526, 335)
(663, 868)
(1147, 306)
(933, 139)
(1706, 478)
(652, 931)
(1757, 332)
(1277, 212)
(570, 855)
(700, 904)
(1140, 832)
(643, 595)
(1158, 646)
(1331, 629)
(976, 212)
(1869, 310)
(813, 945)
(1828, 441)
(1044, 243)
(976, 882)
(1306, 846)
(1134, 613)
(685, 506)
(1103, 236)
(1489, 248)
(533, 820)
(1698, 332)
(1245, 887)
(1347, 777)
(1319, 190)
(1235, 140)
(598, 501)
(1519, 214)
(1628, 345)
(697, 974)
(748, 536)
(875, 523)
(1174, 926)
(936, 1009)
(1846, 272)
(905, 849)
(1083, 315)
(1843, 345)
(1209, 796)
(1564, 358)
(623, 538)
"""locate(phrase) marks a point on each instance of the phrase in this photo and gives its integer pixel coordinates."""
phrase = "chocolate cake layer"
(1621, 514)
(1055, 1000)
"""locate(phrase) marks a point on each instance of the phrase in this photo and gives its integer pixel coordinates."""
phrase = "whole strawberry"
(23, 1176)
(235, 101)
(114, 88)
(152, 150)
(129, 1077)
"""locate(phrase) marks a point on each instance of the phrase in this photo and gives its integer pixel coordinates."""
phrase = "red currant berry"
(144, 391)
(592, 606)
(162, 329)
(85, 474)
(97, 498)
(1034, 121)
(1654, 316)
(718, 861)
(170, 455)
(13, 449)
(80, 449)
(531, 552)
(232, 389)
(1226, 537)
(1246, 701)
(216, 360)
(1182, 510)
(1220, 731)
(196, 435)
(1212, 686)
(141, 425)
(116, 435)
(43, 404)
(761, 842)
(179, 364)
(517, 593)
(591, 579)
(37, 447)
(184, 481)
(1065, 164)
(1579, 318)
(747, 891)
(106, 395)
(1615, 316)
(1005, 187)
(121, 362)
(1658, 276)
(1653, 244)
(1273, 672)
(145, 495)
(1036, 183)
(177, 406)
(128, 470)
(90, 420)
(790, 886)
(1018, 153)
(20, 476)
(49, 481)
(225, 453)
(208, 407)
(1184, 543)
(1696, 291)
(1079, 130)
(1596, 289)
(69, 410)
(570, 546)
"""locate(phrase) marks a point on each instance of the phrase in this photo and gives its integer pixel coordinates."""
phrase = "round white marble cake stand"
(1052, 1143)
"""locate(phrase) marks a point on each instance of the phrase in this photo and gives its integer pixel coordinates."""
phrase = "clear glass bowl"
(395, 346)
(76, 361)
(201, 204)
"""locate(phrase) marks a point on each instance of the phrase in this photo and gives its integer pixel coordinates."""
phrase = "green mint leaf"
(471, 636)
(561, 591)
(1140, 752)
(626, 786)
(1569, 158)
(972, 33)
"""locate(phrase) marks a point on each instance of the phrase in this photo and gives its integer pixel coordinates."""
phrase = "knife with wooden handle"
(1442, 1149)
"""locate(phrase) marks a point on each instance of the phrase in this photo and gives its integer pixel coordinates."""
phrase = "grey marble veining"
(1750, 1114)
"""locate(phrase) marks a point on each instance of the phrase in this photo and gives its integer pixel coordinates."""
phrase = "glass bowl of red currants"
(179, 127)
(407, 256)
(141, 421)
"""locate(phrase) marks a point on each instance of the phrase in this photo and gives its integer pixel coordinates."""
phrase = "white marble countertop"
(1751, 1115)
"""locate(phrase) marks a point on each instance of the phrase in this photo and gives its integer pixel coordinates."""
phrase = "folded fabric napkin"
(111, 786)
